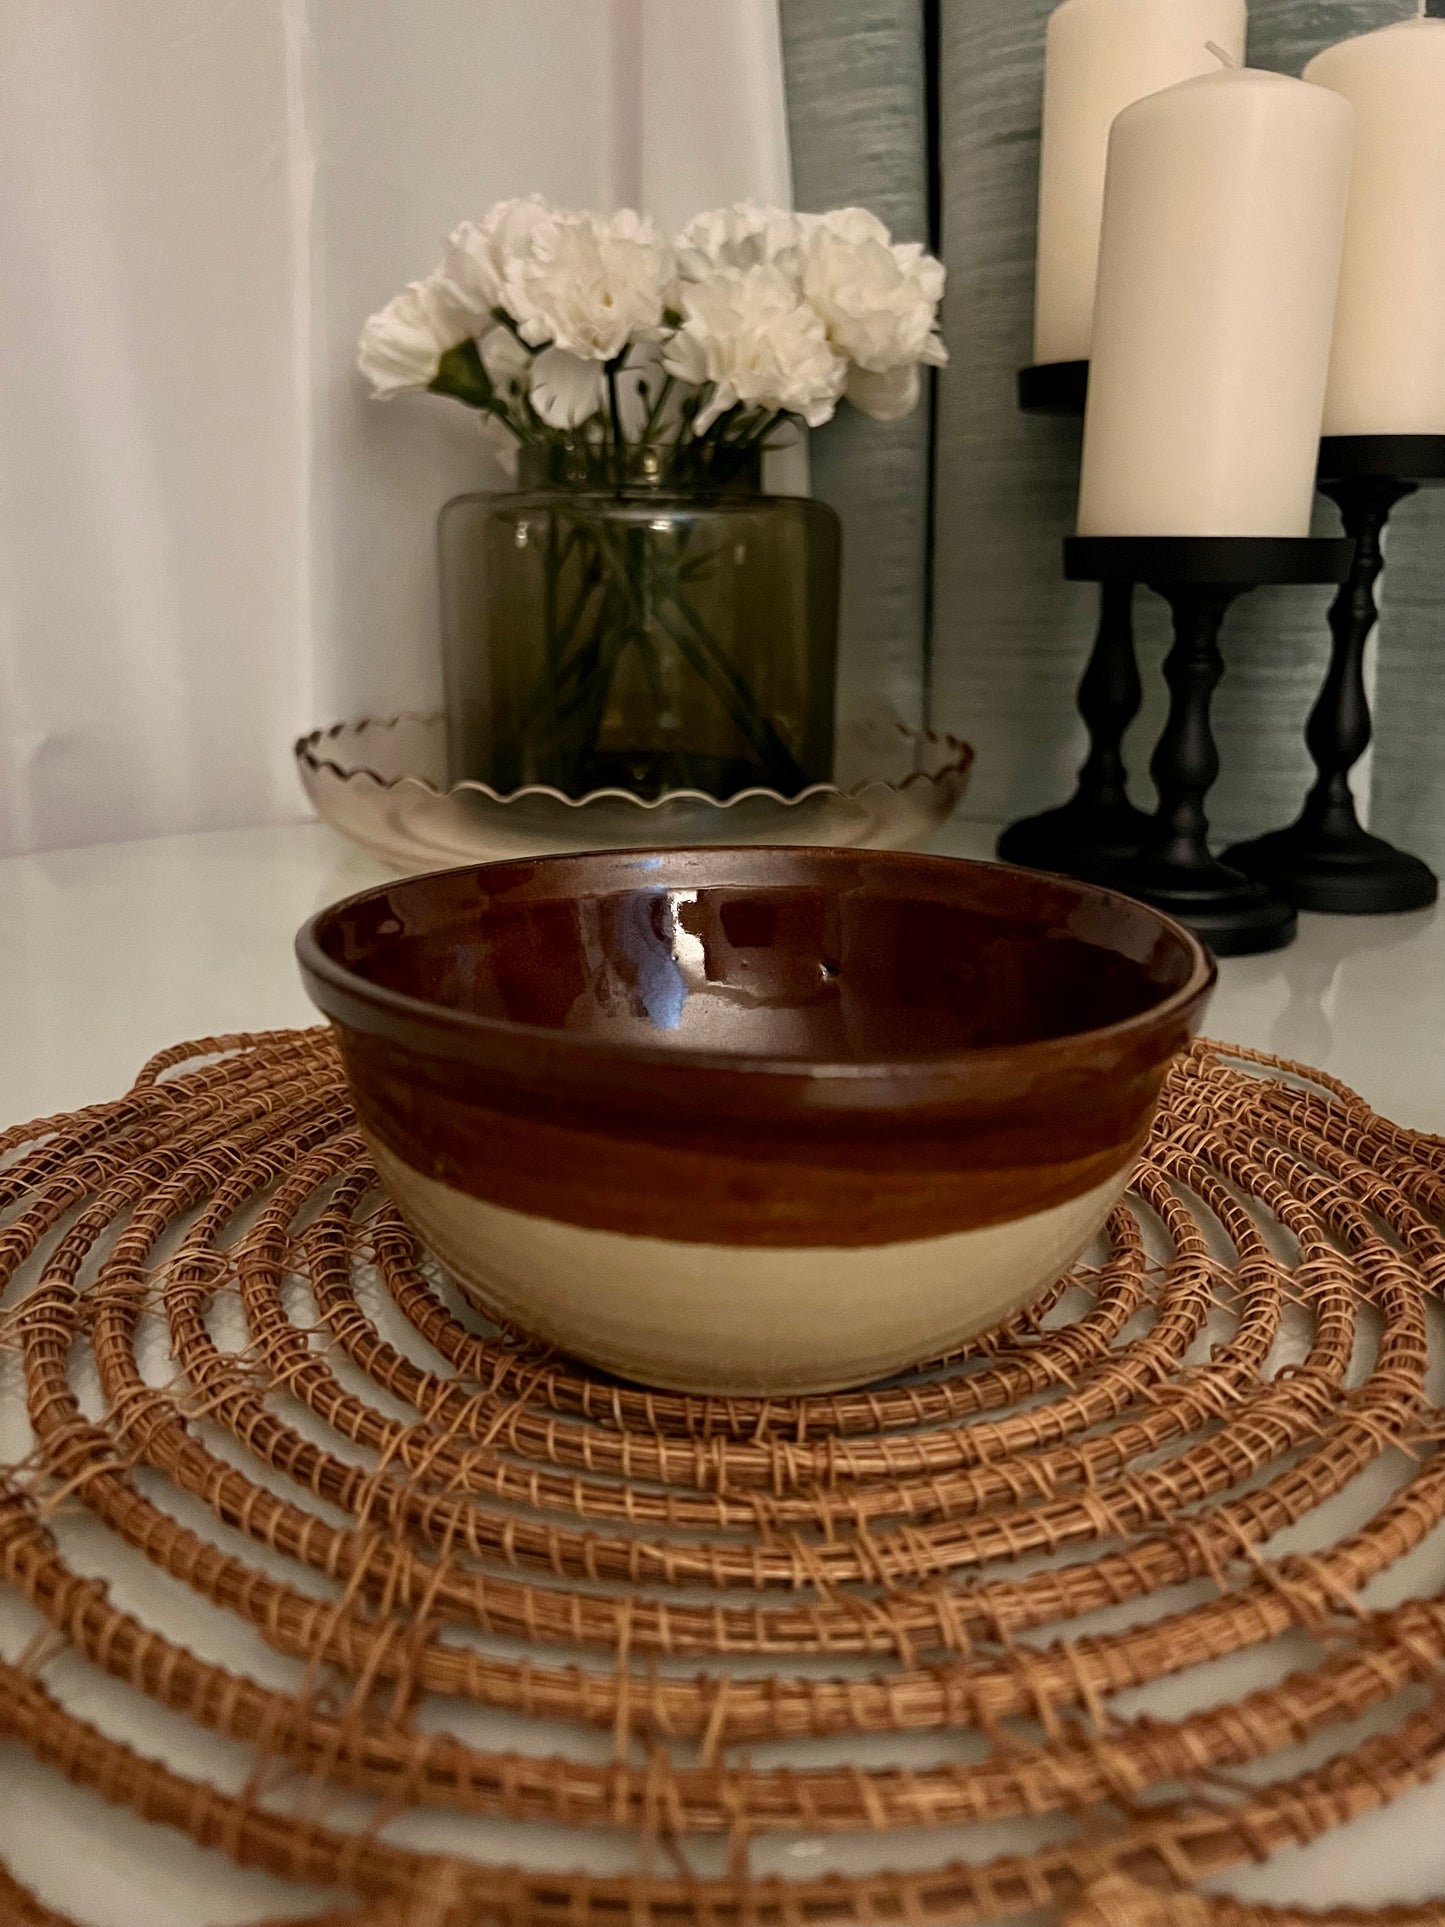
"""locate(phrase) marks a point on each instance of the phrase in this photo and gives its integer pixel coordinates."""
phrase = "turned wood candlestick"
(1326, 860)
(1098, 826)
(1200, 577)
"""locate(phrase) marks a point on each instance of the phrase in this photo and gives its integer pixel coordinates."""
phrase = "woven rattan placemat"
(745, 1657)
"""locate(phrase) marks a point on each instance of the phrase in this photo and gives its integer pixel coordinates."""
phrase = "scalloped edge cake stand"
(381, 782)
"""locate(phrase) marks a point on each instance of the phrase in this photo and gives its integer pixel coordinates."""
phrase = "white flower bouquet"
(652, 650)
(562, 325)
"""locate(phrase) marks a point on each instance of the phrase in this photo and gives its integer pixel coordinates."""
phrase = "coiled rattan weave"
(488, 1583)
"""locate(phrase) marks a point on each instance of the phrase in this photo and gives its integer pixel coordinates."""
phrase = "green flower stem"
(632, 594)
(551, 571)
(590, 670)
(706, 659)
(569, 667)
(608, 644)
(702, 653)
(654, 413)
(731, 686)
(558, 556)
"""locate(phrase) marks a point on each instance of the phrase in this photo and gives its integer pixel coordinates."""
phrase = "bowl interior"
(822, 955)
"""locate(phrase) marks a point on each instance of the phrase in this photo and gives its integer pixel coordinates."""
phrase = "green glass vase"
(642, 619)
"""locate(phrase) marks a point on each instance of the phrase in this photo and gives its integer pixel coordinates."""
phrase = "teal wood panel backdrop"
(858, 127)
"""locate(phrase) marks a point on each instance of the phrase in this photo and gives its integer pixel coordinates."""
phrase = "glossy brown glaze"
(757, 1047)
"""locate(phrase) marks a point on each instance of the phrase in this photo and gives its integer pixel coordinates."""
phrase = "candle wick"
(1227, 59)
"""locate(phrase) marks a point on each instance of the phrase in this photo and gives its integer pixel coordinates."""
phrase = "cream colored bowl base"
(730, 1319)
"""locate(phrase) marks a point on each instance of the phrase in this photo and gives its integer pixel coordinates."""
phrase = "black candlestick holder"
(1054, 388)
(1098, 826)
(1325, 860)
(1199, 577)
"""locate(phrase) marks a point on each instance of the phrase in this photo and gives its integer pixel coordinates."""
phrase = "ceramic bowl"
(754, 1120)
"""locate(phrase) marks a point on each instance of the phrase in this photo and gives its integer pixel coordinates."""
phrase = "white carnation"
(505, 359)
(402, 346)
(884, 397)
(566, 388)
(746, 331)
(479, 253)
(745, 235)
(589, 286)
(878, 299)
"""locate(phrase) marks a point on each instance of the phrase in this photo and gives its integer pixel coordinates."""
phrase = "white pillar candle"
(1099, 56)
(1224, 216)
(1387, 370)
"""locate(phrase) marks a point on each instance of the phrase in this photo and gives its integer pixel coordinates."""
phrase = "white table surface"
(110, 953)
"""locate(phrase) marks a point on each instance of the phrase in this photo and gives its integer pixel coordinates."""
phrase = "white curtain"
(209, 538)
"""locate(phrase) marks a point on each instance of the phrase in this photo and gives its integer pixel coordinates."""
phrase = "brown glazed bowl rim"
(440, 1029)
